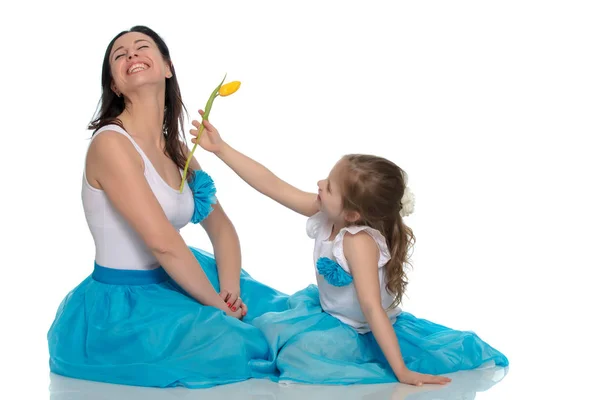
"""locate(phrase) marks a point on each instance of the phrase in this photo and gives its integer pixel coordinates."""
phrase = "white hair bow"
(408, 203)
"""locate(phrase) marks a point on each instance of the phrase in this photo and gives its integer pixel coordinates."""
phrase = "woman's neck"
(143, 117)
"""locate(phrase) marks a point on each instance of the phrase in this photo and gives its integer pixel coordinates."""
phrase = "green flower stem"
(207, 109)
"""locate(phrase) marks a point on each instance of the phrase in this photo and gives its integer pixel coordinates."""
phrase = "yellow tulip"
(221, 90)
(229, 88)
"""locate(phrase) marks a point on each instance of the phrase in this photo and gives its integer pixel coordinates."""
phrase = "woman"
(155, 312)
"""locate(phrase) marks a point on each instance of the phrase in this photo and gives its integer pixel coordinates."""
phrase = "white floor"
(480, 384)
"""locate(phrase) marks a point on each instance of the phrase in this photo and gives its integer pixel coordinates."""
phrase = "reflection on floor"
(465, 385)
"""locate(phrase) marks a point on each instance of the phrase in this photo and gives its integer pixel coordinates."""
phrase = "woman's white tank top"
(118, 245)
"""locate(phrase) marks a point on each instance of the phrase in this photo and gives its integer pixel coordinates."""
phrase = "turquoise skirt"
(310, 346)
(140, 328)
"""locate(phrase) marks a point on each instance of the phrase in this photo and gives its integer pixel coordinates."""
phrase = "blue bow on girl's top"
(333, 273)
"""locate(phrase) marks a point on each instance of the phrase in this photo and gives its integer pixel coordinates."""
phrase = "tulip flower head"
(229, 88)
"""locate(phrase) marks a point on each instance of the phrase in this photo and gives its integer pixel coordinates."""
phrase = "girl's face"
(330, 194)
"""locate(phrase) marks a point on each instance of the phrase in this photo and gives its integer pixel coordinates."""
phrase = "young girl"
(350, 329)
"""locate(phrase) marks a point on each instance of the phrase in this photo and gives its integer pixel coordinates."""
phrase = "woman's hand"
(234, 301)
(235, 314)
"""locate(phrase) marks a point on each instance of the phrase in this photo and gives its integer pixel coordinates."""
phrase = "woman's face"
(135, 61)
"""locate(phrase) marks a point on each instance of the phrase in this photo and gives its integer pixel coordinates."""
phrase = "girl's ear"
(351, 216)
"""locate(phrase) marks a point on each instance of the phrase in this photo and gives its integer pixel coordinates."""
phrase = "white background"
(490, 107)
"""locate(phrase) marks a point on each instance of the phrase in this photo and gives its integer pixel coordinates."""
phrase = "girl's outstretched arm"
(256, 174)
